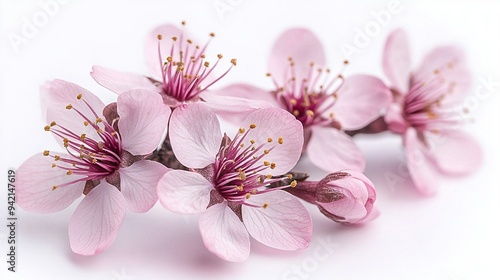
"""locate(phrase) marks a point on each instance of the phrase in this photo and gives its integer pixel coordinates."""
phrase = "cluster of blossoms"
(162, 140)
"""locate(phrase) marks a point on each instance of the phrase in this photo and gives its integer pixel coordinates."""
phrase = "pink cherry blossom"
(345, 196)
(104, 160)
(228, 185)
(427, 108)
(182, 72)
(326, 104)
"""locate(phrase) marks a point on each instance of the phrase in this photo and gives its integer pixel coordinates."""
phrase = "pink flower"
(181, 73)
(324, 103)
(345, 196)
(426, 111)
(104, 160)
(228, 186)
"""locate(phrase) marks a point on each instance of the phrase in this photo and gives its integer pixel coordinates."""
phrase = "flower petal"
(184, 192)
(302, 46)
(395, 120)
(360, 101)
(119, 82)
(195, 135)
(449, 61)
(284, 224)
(153, 60)
(454, 152)
(138, 184)
(271, 124)
(396, 61)
(143, 119)
(56, 95)
(244, 91)
(224, 234)
(96, 221)
(35, 179)
(421, 168)
(332, 150)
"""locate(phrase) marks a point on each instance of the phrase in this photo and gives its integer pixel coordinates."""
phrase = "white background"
(453, 235)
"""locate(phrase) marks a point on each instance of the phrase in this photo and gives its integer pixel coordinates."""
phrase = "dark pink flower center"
(185, 70)
(309, 98)
(94, 159)
(239, 169)
(426, 105)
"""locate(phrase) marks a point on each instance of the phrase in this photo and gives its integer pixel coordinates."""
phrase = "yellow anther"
(159, 36)
(280, 140)
(46, 128)
(85, 123)
(293, 101)
(69, 172)
(189, 41)
(296, 113)
(242, 145)
(290, 176)
(206, 64)
(310, 113)
(436, 71)
(241, 174)
(241, 130)
(239, 188)
(252, 126)
(94, 160)
(54, 165)
(53, 123)
(254, 157)
(266, 152)
(233, 61)
(99, 131)
(293, 184)
(174, 38)
(46, 153)
(265, 205)
(252, 149)
(252, 142)
(169, 59)
(82, 137)
(212, 34)
(268, 74)
(56, 157)
(331, 115)
(269, 176)
(254, 191)
(247, 196)
(54, 187)
(269, 139)
(69, 106)
(273, 165)
(346, 62)
(100, 145)
(79, 96)
(259, 180)
(266, 163)
(183, 22)
(98, 120)
(219, 56)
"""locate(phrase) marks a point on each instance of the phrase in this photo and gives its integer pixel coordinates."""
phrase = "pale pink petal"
(153, 59)
(421, 168)
(119, 82)
(184, 192)
(270, 125)
(235, 102)
(143, 120)
(35, 179)
(396, 61)
(450, 65)
(352, 206)
(96, 221)
(57, 94)
(284, 224)
(454, 152)
(138, 184)
(361, 99)
(395, 120)
(302, 46)
(333, 150)
(195, 135)
(243, 91)
(224, 234)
